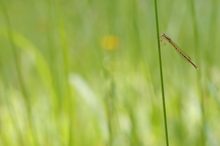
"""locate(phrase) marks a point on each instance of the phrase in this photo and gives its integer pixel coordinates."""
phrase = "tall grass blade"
(199, 74)
(65, 57)
(161, 72)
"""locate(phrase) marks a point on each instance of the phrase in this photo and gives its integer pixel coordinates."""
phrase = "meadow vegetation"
(87, 73)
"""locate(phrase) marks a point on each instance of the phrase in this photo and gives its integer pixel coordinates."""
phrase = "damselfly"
(168, 39)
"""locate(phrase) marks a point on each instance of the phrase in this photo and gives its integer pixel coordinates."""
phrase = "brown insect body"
(168, 39)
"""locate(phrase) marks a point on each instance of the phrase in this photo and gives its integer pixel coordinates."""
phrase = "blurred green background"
(86, 73)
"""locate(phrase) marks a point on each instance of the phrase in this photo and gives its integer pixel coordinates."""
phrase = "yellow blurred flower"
(110, 42)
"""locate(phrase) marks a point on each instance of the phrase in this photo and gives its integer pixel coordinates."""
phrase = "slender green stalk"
(109, 92)
(67, 85)
(134, 136)
(195, 29)
(137, 53)
(55, 14)
(212, 34)
(68, 95)
(19, 73)
(199, 73)
(161, 72)
(53, 56)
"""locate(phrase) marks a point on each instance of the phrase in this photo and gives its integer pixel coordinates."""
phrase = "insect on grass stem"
(169, 40)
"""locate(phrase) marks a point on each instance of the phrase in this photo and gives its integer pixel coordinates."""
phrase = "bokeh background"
(86, 73)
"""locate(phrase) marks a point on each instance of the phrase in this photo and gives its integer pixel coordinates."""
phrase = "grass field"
(87, 73)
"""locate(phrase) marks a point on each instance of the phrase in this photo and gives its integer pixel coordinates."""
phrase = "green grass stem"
(161, 72)
(199, 73)
(65, 57)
